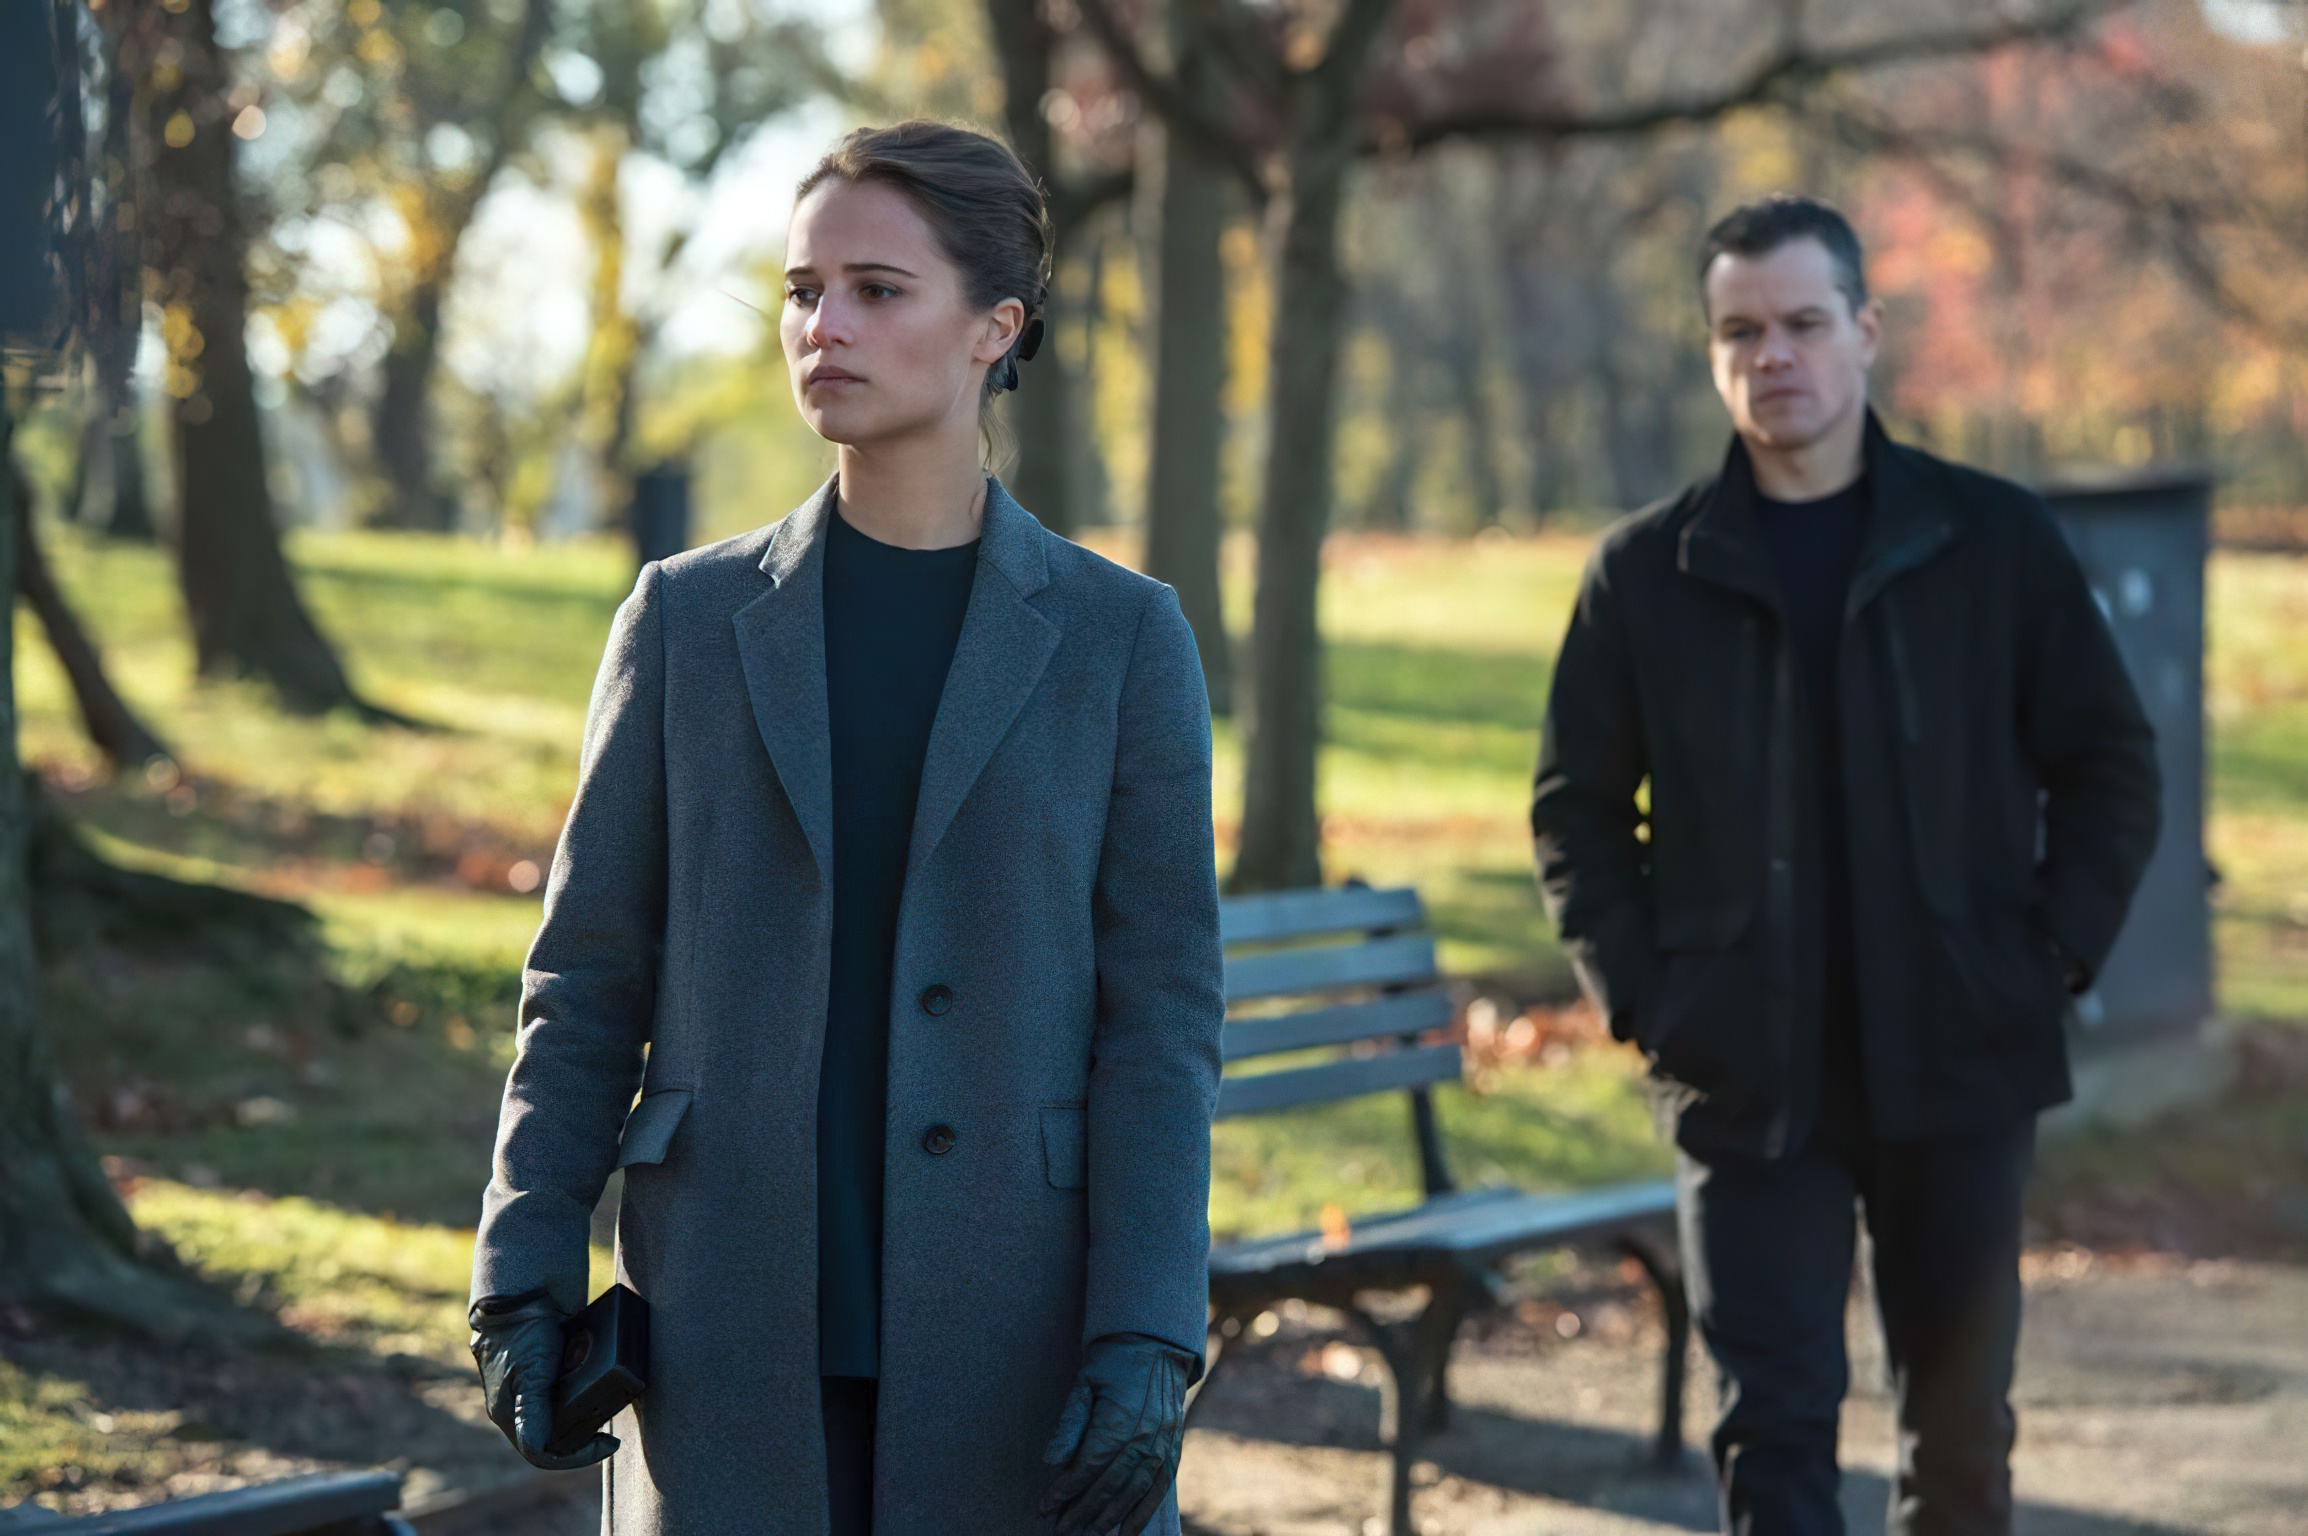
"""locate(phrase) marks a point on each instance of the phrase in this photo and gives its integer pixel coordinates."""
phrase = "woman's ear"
(1000, 332)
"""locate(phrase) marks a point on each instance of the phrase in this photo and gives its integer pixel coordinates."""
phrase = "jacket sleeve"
(588, 989)
(1592, 757)
(1161, 1002)
(2093, 749)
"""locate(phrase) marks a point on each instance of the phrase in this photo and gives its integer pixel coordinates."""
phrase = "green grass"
(1437, 672)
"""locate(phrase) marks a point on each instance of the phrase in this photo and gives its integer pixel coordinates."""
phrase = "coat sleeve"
(1592, 758)
(2093, 749)
(588, 989)
(1161, 1002)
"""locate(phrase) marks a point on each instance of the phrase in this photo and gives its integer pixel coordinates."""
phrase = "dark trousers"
(1767, 1247)
(849, 1451)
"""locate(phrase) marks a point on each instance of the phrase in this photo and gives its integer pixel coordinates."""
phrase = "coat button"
(937, 1000)
(938, 1140)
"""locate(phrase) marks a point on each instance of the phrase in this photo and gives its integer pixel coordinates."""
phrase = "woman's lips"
(819, 376)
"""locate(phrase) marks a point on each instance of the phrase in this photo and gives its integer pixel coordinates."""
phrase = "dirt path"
(2153, 1400)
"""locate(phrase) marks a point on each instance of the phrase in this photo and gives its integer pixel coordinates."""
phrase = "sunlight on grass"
(1582, 1123)
(367, 1282)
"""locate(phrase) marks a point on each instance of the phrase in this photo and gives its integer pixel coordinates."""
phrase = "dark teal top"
(892, 618)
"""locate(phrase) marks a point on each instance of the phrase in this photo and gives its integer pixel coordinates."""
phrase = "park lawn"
(404, 842)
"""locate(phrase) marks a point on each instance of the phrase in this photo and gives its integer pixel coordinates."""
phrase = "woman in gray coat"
(881, 952)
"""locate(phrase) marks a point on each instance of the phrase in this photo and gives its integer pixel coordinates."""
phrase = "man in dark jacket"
(1899, 792)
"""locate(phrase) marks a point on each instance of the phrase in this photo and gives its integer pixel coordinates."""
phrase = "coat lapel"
(1910, 526)
(1004, 647)
(781, 645)
(1721, 543)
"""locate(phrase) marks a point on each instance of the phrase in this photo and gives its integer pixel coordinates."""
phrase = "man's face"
(1789, 354)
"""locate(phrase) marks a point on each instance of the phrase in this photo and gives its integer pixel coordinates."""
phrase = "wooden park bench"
(1362, 960)
(323, 1504)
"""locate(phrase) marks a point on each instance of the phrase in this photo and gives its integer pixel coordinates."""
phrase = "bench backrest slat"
(1299, 914)
(1402, 959)
(1406, 1013)
(1411, 1067)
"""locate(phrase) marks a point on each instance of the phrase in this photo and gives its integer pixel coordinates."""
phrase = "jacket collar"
(1004, 647)
(1009, 538)
(1723, 543)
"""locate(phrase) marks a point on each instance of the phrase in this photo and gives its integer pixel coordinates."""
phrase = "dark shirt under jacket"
(1814, 547)
(892, 618)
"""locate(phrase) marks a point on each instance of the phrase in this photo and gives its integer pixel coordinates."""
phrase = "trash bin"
(2142, 537)
(659, 516)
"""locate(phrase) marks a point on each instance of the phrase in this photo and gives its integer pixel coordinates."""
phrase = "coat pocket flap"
(649, 1129)
(1066, 1145)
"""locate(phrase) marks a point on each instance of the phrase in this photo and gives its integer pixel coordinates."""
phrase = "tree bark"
(1281, 832)
(111, 724)
(402, 425)
(1037, 412)
(63, 1232)
(116, 311)
(1184, 530)
(246, 615)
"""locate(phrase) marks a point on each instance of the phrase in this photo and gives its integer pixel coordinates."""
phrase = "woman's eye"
(878, 291)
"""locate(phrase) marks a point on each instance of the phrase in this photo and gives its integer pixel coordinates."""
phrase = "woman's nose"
(827, 323)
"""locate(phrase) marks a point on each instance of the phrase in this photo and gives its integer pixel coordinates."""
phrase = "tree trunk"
(116, 313)
(1281, 832)
(111, 724)
(246, 615)
(63, 1232)
(1037, 411)
(1184, 530)
(402, 427)
(1089, 498)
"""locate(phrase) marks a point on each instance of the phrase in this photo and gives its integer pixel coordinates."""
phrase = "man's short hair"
(1761, 227)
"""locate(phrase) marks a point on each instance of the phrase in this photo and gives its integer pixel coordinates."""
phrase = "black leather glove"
(517, 1343)
(1119, 1437)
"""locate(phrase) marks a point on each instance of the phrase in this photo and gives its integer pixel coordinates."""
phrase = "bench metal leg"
(1665, 1270)
(1217, 1343)
(1415, 1354)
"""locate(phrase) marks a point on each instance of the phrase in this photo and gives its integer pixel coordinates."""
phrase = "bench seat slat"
(1470, 1228)
(1338, 1080)
(1411, 1013)
(264, 1509)
(1397, 960)
(1297, 914)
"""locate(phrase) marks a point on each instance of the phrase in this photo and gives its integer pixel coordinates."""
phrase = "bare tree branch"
(1776, 80)
(2159, 217)
(1182, 110)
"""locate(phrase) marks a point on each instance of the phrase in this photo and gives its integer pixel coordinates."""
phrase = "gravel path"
(2154, 1398)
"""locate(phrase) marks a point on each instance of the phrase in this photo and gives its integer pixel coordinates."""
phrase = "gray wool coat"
(1060, 883)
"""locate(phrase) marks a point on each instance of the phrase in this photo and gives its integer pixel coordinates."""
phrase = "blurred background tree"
(1414, 264)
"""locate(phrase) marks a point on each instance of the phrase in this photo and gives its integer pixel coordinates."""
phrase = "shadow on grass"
(94, 1417)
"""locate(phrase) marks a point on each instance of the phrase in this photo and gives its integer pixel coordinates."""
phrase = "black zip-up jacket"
(2000, 786)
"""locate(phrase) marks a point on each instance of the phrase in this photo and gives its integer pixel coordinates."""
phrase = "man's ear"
(1869, 318)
